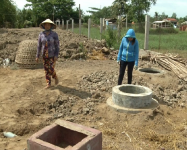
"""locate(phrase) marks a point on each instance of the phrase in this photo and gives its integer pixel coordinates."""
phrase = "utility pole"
(79, 19)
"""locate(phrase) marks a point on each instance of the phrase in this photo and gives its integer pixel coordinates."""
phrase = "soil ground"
(26, 107)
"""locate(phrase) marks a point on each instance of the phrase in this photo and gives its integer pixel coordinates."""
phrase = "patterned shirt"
(52, 42)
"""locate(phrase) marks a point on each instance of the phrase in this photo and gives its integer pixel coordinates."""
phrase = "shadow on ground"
(72, 91)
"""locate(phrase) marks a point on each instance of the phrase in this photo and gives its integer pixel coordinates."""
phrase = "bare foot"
(48, 86)
(56, 81)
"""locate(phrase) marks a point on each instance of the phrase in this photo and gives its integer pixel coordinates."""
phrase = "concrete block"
(64, 135)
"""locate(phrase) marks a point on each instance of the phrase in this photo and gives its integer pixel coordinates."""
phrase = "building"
(162, 24)
(172, 20)
(165, 23)
(183, 26)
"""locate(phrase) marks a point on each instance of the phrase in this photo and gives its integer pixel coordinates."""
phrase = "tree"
(93, 10)
(97, 13)
(85, 18)
(156, 15)
(163, 16)
(107, 12)
(24, 18)
(7, 12)
(138, 7)
(174, 15)
(63, 9)
(182, 19)
(120, 7)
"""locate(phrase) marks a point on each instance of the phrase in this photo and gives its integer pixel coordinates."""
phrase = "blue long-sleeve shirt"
(129, 52)
(52, 42)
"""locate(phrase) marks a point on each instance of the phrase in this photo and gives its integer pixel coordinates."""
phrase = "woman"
(128, 55)
(48, 47)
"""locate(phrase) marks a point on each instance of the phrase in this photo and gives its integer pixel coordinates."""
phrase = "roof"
(114, 19)
(160, 21)
(109, 19)
(172, 19)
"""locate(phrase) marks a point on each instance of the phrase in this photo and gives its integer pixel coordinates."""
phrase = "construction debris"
(171, 63)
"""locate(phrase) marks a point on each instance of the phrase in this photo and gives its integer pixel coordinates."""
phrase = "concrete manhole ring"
(131, 98)
(151, 71)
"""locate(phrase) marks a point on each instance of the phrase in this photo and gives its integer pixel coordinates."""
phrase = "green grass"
(94, 32)
(172, 43)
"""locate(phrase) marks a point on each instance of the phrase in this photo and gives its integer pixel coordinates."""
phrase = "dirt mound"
(72, 46)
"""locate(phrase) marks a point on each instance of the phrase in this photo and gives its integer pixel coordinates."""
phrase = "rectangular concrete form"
(64, 135)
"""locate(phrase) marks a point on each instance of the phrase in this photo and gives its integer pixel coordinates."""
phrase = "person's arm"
(56, 44)
(136, 53)
(39, 46)
(120, 51)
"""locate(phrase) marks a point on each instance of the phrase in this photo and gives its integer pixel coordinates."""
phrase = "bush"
(85, 25)
(163, 31)
(110, 37)
(140, 28)
(27, 24)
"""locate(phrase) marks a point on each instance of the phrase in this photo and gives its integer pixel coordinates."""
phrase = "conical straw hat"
(47, 21)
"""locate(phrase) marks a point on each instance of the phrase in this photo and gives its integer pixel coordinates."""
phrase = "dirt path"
(26, 107)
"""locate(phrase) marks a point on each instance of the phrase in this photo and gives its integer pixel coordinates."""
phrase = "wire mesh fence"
(161, 38)
(167, 37)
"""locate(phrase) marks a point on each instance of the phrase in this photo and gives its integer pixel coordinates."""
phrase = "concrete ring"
(131, 96)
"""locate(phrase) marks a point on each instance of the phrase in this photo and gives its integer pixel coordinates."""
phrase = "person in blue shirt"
(128, 55)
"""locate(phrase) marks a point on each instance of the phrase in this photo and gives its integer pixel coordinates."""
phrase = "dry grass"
(96, 55)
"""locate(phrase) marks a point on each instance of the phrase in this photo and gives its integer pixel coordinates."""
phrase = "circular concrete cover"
(131, 97)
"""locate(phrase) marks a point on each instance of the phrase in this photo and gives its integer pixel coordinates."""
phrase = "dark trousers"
(122, 69)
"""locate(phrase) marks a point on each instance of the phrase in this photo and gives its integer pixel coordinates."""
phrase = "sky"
(167, 6)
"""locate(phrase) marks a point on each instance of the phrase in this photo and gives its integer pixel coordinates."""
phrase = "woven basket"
(26, 54)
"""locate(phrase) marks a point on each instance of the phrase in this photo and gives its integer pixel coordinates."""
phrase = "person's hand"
(136, 67)
(118, 62)
(55, 59)
(37, 60)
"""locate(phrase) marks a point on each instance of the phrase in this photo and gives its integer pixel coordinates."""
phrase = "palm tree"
(156, 15)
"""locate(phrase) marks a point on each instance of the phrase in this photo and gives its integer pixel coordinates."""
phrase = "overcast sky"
(166, 6)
